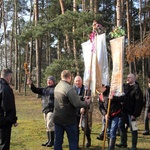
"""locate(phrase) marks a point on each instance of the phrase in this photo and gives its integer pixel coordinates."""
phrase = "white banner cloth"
(96, 63)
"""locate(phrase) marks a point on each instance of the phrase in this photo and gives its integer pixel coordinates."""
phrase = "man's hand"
(15, 124)
(132, 117)
(29, 82)
(82, 110)
(106, 116)
(87, 99)
(111, 95)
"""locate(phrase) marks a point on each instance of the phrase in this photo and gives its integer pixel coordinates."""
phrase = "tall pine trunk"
(118, 13)
(128, 28)
(67, 37)
(16, 45)
(38, 66)
(4, 25)
(141, 36)
(74, 42)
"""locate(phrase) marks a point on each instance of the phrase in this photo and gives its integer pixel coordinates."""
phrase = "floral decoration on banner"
(117, 32)
(97, 29)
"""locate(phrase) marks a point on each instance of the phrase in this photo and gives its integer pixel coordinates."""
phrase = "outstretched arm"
(33, 88)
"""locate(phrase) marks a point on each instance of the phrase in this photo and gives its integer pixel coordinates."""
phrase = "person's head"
(6, 74)
(78, 81)
(66, 75)
(50, 81)
(131, 78)
(106, 90)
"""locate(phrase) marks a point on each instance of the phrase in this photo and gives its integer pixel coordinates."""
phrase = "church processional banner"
(117, 51)
(96, 63)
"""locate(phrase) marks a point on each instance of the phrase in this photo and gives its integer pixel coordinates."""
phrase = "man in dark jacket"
(47, 94)
(132, 107)
(7, 109)
(65, 104)
(79, 87)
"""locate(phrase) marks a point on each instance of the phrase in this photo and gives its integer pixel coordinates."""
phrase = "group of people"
(65, 105)
(63, 113)
(124, 111)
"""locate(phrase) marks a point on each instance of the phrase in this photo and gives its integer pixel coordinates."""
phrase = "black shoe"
(121, 145)
(50, 144)
(88, 145)
(146, 133)
(44, 144)
(100, 137)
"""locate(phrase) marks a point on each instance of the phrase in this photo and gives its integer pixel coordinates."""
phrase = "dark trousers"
(123, 124)
(5, 134)
(71, 131)
(78, 130)
(126, 119)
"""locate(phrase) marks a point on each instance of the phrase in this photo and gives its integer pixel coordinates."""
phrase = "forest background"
(43, 37)
(39, 38)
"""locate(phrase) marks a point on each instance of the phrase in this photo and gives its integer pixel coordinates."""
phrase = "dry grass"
(30, 133)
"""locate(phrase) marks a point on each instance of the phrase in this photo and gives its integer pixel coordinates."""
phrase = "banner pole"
(106, 125)
(88, 92)
(86, 111)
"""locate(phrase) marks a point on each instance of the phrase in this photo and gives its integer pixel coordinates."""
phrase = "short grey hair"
(65, 74)
(5, 72)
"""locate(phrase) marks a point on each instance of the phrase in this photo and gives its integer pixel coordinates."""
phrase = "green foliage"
(117, 32)
(53, 23)
(58, 66)
(61, 25)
